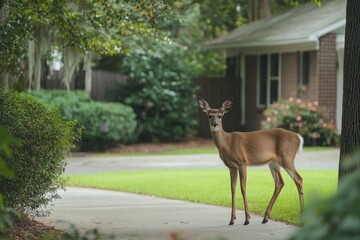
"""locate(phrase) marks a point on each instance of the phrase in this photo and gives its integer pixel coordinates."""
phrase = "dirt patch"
(32, 230)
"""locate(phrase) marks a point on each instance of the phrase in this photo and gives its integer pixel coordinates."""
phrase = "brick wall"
(327, 74)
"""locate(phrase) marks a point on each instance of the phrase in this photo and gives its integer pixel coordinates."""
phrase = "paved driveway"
(325, 160)
(131, 216)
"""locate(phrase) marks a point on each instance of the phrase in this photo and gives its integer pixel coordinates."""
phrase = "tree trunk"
(71, 59)
(350, 133)
(264, 8)
(87, 68)
(258, 9)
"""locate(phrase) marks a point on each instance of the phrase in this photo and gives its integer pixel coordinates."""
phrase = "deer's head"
(215, 115)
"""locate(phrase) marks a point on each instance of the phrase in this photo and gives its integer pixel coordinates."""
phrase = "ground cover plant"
(213, 187)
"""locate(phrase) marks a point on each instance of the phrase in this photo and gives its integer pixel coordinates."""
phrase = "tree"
(350, 130)
(258, 9)
(74, 28)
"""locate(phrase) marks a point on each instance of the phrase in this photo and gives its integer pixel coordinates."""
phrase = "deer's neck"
(221, 139)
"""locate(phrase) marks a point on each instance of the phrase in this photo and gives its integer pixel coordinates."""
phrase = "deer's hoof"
(264, 221)
(246, 223)
(231, 223)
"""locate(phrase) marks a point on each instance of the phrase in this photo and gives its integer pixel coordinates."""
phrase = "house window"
(269, 79)
(231, 63)
(305, 68)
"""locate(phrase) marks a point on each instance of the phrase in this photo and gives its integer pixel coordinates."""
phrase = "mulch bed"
(161, 147)
(30, 230)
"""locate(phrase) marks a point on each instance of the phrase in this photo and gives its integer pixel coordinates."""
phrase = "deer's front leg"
(242, 173)
(233, 177)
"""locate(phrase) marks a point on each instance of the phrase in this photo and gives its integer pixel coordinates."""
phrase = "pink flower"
(298, 118)
(316, 103)
(291, 99)
(302, 105)
(276, 112)
(298, 100)
(268, 119)
(287, 106)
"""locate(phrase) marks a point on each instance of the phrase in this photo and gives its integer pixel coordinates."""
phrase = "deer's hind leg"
(299, 184)
(279, 184)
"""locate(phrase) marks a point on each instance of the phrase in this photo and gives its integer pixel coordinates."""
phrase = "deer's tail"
(301, 144)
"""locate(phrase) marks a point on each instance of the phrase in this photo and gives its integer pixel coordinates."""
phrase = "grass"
(213, 187)
(205, 150)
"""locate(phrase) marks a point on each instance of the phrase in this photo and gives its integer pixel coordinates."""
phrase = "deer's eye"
(209, 116)
(220, 115)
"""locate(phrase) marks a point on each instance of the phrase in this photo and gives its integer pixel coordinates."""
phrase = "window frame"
(270, 79)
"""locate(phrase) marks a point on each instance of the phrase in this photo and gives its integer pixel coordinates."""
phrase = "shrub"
(6, 218)
(38, 161)
(104, 124)
(161, 90)
(303, 117)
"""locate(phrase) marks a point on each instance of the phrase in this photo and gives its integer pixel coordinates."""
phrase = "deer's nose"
(214, 124)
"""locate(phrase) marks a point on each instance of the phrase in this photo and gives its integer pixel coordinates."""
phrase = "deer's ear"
(204, 106)
(227, 105)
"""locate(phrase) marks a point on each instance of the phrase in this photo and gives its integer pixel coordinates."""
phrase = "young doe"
(275, 147)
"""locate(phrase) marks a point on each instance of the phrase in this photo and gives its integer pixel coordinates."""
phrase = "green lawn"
(213, 187)
(208, 150)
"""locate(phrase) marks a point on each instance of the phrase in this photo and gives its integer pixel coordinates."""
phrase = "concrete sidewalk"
(131, 216)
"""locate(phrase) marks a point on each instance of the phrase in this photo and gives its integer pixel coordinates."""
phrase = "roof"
(302, 25)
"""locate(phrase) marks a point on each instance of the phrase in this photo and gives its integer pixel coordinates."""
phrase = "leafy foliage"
(14, 33)
(38, 161)
(6, 218)
(337, 217)
(160, 90)
(74, 233)
(103, 124)
(303, 117)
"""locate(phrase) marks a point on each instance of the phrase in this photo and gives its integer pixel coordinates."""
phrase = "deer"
(275, 147)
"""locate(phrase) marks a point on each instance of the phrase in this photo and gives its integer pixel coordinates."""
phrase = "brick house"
(275, 57)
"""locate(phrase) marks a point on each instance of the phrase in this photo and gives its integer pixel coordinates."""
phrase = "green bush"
(6, 218)
(303, 117)
(38, 160)
(337, 217)
(161, 90)
(104, 124)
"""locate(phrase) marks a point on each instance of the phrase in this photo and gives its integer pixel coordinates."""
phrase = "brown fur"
(275, 147)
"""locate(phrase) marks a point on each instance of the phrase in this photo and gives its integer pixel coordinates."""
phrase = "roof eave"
(265, 47)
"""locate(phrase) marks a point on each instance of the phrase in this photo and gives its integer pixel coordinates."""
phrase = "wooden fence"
(216, 91)
(102, 82)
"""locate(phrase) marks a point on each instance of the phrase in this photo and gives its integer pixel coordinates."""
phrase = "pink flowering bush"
(304, 117)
